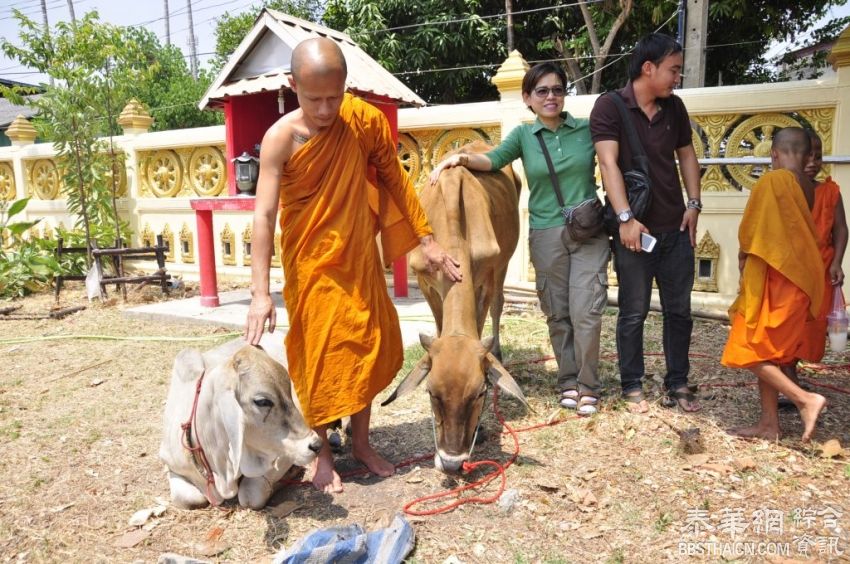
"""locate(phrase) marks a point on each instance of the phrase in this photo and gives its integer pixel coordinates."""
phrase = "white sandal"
(587, 405)
(569, 399)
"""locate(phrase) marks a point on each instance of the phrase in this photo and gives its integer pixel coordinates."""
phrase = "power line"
(475, 18)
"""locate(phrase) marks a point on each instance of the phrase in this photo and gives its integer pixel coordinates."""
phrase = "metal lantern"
(247, 169)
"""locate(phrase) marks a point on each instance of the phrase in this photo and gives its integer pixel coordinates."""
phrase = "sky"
(150, 13)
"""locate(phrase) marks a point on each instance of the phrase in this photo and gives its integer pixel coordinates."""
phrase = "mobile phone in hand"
(647, 242)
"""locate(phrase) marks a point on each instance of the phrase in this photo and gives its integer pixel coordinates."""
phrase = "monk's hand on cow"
(437, 258)
(261, 309)
(630, 234)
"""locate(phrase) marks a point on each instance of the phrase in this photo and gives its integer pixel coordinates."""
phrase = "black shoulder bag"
(636, 178)
(584, 220)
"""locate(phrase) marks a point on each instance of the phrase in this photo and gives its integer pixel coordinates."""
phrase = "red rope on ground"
(469, 467)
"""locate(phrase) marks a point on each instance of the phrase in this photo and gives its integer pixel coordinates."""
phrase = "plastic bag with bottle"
(837, 321)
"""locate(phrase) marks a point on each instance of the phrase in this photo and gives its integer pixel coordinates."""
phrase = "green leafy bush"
(26, 266)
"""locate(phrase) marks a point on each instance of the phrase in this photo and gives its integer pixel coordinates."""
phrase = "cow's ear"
(412, 380)
(499, 376)
(233, 420)
(426, 341)
(189, 365)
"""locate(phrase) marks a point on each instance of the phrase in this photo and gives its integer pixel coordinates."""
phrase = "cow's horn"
(500, 376)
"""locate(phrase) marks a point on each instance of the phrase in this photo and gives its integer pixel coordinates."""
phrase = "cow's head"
(262, 424)
(457, 368)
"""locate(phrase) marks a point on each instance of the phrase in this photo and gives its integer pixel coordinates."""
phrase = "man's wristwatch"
(625, 216)
(695, 204)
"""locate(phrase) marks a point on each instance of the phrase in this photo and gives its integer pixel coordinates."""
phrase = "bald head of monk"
(791, 149)
(318, 80)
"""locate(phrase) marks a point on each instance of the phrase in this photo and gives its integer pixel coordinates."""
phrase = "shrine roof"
(261, 63)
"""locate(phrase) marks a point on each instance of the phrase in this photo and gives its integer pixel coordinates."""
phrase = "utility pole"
(696, 36)
(46, 31)
(167, 24)
(193, 44)
(71, 9)
(510, 24)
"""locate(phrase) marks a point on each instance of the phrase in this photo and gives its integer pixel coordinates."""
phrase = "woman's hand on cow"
(261, 309)
(436, 258)
(461, 159)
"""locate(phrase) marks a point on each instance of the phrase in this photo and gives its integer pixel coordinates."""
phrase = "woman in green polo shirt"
(571, 276)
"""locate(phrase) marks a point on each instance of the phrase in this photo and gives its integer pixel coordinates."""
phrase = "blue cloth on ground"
(350, 544)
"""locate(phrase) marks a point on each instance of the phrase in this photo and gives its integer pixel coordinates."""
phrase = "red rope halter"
(197, 452)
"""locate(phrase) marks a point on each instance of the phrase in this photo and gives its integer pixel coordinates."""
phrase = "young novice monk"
(831, 233)
(781, 284)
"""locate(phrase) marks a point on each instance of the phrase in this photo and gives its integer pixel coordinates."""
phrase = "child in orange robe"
(781, 284)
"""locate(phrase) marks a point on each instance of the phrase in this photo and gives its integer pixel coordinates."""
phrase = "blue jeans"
(671, 265)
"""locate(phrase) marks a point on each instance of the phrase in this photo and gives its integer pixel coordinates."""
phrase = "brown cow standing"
(475, 217)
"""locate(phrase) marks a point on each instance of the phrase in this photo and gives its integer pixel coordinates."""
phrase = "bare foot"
(373, 461)
(809, 412)
(758, 431)
(325, 478)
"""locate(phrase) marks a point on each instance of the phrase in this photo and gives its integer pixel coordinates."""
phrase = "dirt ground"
(80, 429)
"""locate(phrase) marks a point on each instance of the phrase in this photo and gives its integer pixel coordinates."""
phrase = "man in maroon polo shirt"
(664, 130)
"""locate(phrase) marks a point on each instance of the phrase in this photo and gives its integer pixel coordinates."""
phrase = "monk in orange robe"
(781, 284)
(344, 341)
(831, 231)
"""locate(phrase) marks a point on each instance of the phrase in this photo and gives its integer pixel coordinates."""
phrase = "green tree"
(231, 29)
(93, 66)
(170, 93)
(592, 39)
(473, 46)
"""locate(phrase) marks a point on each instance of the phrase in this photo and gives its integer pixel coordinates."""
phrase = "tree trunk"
(510, 24)
(71, 9)
(193, 45)
(46, 30)
(167, 24)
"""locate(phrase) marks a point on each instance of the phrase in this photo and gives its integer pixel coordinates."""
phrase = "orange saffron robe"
(344, 341)
(827, 195)
(782, 282)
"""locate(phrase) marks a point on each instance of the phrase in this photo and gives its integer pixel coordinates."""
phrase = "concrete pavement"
(413, 312)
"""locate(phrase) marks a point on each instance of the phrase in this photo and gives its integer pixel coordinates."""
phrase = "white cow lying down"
(250, 429)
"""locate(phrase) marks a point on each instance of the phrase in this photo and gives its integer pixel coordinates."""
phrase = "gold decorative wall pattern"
(421, 149)
(207, 171)
(147, 237)
(168, 241)
(408, 154)
(183, 172)
(741, 135)
(821, 120)
(753, 138)
(228, 245)
(246, 245)
(43, 181)
(187, 244)
(7, 181)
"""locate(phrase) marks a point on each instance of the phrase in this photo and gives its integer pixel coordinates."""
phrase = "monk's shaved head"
(317, 56)
(792, 140)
